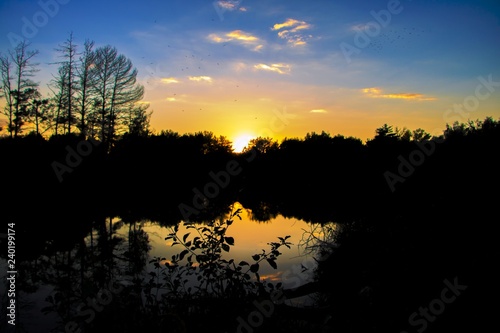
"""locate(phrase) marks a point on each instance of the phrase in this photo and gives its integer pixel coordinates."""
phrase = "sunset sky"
(283, 68)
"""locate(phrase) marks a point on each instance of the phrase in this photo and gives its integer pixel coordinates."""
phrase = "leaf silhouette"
(229, 240)
(182, 254)
(254, 268)
(272, 263)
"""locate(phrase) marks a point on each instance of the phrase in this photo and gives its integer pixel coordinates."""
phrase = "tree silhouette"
(6, 91)
(85, 76)
(420, 135)
(116, 89)
(385, 131)
(261, 145)
(17, 69)
(68, 51)
(95, 91)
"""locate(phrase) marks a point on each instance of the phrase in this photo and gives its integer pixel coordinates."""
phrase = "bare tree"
(99, 88)
(24, 69)
(85, 76)
(68, 51)
(105, 57)
(125, 92)
(116, 89)
(6, 91)
(58, 87)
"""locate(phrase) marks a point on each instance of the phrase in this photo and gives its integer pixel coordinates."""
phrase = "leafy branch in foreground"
(199, 271)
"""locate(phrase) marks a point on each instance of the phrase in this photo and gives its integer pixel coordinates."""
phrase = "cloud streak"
(376, 92)
(278, 68)
(169, 80)
(238, 36)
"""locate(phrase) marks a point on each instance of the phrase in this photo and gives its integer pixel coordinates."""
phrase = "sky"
(285, 68)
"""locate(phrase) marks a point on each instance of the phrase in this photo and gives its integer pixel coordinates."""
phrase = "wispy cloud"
(239, 66)
(359, 27)
(238, 36)
(258, 48)
(376, 92)
(287, 24)
(231, 5)
(200, 78)
(318, 111)
(293, 31)
(278, 68)
(228, 5)
(176, 98)
(169, 80)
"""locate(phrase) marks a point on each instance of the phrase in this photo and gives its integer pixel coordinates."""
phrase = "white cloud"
(229, 4)
(278, 68)
(238, 36)
(292, 31)
(200, 78)
(169, 80)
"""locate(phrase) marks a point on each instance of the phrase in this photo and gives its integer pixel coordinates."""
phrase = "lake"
(59, 273)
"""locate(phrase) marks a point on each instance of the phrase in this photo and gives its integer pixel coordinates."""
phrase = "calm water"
(295, 265)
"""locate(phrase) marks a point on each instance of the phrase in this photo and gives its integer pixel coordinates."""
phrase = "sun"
(241, 141)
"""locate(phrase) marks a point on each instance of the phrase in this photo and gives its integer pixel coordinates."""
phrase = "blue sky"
(232, 67)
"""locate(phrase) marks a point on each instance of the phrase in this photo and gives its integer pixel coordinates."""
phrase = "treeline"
(94, 93)
(171, 177)
(344, 177)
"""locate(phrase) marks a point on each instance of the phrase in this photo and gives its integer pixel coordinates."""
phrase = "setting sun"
(241, 141)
